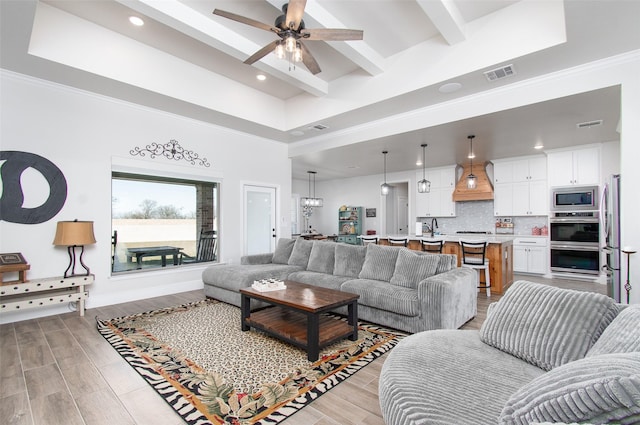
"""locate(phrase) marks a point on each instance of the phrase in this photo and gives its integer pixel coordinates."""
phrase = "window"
(162, 222)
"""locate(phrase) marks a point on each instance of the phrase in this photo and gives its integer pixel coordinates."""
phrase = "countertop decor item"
(74, 234)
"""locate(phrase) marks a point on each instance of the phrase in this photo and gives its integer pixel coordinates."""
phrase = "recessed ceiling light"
(450, 87)
(261, 77)
(418, 163)
(138, 22)
(538, 145)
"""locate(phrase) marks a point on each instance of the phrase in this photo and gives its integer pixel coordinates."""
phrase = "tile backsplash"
(478, 216)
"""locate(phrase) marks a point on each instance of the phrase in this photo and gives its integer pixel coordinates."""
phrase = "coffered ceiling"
(187, 61)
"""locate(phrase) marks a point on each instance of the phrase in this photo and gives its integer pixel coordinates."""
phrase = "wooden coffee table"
(295, 315)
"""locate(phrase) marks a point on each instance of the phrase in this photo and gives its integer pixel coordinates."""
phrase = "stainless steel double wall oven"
(575, 230)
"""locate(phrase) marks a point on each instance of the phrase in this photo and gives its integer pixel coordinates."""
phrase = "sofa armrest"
(448, 300)
(256, 259)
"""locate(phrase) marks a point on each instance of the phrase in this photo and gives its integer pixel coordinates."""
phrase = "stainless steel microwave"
(574, 198)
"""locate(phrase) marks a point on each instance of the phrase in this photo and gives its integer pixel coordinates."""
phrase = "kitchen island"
(499, 253)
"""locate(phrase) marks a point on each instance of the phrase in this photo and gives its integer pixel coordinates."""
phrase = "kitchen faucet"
(434, 225)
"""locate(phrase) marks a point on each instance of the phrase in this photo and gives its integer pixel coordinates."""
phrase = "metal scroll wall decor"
(170, 150)
(12, 198)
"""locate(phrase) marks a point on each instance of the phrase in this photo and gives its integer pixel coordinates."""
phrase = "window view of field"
(157, 222)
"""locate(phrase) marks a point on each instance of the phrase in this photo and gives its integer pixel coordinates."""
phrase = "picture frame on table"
(12, 258)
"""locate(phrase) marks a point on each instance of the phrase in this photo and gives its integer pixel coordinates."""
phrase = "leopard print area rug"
(196, 357)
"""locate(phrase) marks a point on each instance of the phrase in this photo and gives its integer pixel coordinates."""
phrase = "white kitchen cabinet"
(520, 187)
(574, 167)
(530, 255)
(438, 202)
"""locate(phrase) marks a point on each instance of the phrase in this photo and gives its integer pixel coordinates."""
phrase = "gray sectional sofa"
(399, 288)
(543, 355)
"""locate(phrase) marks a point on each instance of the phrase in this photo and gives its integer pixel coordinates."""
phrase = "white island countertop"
(492, 238)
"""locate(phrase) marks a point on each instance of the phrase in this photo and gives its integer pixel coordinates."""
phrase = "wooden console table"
(42, 292)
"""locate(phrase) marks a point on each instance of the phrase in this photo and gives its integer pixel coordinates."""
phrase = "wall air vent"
(500, 73)
(319, 127)
(589, 124)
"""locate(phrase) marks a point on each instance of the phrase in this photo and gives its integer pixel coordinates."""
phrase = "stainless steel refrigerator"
(610, 216)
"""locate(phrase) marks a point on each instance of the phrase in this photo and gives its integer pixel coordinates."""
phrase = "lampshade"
(74, 233)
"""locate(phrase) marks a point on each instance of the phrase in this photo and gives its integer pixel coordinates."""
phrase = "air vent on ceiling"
(319, 127)
(499, 73)
(589, 124)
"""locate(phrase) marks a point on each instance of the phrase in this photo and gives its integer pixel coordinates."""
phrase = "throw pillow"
(322, 257)
(447, 262)
(412, 267)
(300, 254)
(380, 262)
(622, 335)
(547, 326)
(349, 259)
(599, 389)
(283, 251)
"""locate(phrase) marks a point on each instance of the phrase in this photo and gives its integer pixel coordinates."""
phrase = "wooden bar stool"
(474, 257)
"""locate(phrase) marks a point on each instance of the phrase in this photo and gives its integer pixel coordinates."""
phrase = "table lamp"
(74, 234)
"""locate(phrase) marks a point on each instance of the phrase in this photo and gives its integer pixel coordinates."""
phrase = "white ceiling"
(188, 61)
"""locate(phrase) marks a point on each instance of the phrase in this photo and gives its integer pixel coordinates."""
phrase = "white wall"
(82, 134)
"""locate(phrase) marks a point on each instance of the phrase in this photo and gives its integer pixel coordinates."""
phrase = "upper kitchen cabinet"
(520, 186)
(438, 202)
(574, 167)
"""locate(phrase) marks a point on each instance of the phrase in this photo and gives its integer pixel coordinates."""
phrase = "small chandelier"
(289, 48)
(472, 180)
(424, 185)
(310, 201)
(384, 187)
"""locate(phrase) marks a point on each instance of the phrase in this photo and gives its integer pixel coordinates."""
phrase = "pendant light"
(384, 187)
(472, 180)
(424, 185)
(311, 201)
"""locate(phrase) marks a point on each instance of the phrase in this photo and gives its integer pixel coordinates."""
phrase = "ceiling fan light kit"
(290, 28)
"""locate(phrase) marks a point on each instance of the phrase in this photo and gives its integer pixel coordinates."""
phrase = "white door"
(403, 215)
(259, 219)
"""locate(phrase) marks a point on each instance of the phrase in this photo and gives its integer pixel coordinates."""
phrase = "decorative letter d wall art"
(12, 199)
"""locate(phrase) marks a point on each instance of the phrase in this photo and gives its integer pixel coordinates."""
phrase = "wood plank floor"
(59, 370)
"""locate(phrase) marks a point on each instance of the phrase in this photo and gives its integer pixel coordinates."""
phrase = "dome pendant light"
(472, 180)
(384, 187)
(424, 185)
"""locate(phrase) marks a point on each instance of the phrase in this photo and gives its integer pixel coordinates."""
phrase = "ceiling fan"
(291, 30)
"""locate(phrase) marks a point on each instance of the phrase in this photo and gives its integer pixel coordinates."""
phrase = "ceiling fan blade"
(308, 60)
(262, 52)
(245, 20)
(295, 10)
(328, 34)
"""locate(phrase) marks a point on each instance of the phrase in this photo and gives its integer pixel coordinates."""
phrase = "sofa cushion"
(622, 335)
(412, 267)
(447, 262)
(599, 389)
(380, 262)
(322, 280)
(349, 259)
(547, 326)
(283, 251)
(384, 296)
(322, 257)
(300, 253)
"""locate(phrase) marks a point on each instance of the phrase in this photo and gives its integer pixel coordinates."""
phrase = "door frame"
(383, 207)
(243, 192)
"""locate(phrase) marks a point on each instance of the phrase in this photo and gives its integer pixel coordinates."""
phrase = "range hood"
(483, 190)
